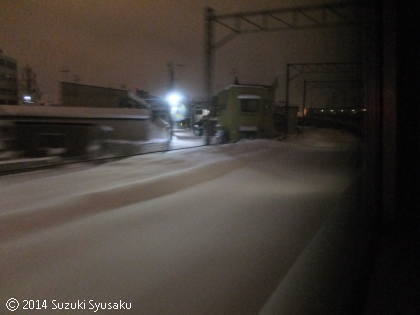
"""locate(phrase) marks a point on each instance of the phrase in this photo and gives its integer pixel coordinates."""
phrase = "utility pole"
(171, 73)
(304, 102)
(286, 105)
(28, 77)
(208, 70)
(29, 86)
(209, 52)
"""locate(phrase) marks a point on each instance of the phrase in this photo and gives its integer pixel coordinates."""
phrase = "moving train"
(83, 132)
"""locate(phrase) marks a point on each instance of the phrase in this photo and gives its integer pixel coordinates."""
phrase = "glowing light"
(174, 99)
(27, 98)
(178, 112)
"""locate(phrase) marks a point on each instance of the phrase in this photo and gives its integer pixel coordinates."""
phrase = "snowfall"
(209, 230)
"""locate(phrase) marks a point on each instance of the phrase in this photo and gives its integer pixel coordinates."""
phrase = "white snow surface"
(210, 230)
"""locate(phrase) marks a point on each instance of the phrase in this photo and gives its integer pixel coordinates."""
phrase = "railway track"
(55, 163)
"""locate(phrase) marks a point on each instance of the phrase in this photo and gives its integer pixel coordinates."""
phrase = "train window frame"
(249, 105)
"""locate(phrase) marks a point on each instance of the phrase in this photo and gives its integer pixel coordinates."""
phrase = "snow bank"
(324, 138)
(210, 230)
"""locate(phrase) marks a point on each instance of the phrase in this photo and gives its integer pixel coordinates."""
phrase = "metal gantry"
(294, 70)
(292, 18)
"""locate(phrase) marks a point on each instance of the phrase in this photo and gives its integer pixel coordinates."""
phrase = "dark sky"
(110, 43)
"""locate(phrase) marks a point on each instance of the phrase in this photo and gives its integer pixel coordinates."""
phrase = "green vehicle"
(246, 111)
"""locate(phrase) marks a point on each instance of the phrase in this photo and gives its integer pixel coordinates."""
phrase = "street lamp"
(176, 108)
(27, 99)
(174, 99)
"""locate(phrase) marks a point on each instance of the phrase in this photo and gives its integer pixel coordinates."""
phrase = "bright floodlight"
(174, 98)
(27, 98)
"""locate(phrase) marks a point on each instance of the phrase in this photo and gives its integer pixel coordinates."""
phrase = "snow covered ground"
(210, 230)
(184, 138)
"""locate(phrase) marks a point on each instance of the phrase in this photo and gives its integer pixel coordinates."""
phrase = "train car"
(246, 111)
(84, 132)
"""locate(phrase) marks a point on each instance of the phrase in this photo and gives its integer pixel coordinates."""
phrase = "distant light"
(27, 98)
(332, 110)
(353, 110)
(174, 99)
(178, 112)
(342, 110)
(322, 110)
(364, 109)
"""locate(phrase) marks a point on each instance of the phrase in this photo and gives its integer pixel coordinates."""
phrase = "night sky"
(111, 43)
